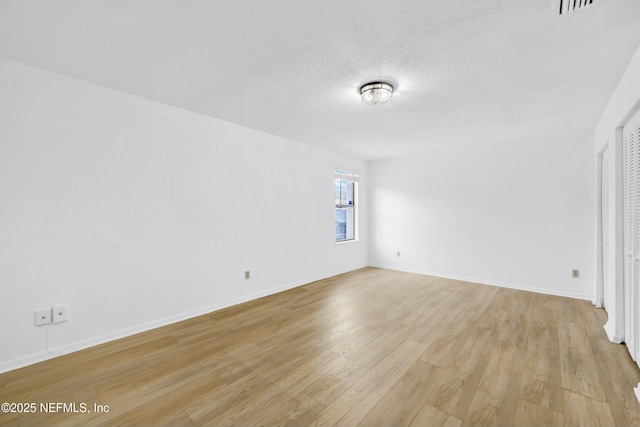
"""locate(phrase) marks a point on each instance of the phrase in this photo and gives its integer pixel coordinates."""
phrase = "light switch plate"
(43, 316)
(59, 313)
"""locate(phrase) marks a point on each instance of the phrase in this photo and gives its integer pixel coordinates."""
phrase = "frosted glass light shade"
(376, 93)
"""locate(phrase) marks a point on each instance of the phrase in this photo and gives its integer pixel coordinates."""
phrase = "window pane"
(344, 192)
(349, 195)
(345, 224)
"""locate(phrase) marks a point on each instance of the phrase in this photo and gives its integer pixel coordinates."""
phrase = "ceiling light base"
(376, 93)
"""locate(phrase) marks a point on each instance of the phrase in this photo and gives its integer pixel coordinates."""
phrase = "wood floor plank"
(254, 408)
(619, 376)
(494, 403)
(516, 324)
(428, 416)
(328, 388)
(297, 411)
(437, 292)
(456, 388)
(157, 386)
(294, 352)
(579, 371)
(412, 390)
(586, 412)
(354, 404)
(87, 395)
(493, 316)
(216, 403)
(592, 319)
(439, 352)
(531, 415)
(369, 347)
(541, 379)
(479, 298)
(150, 414)
(83, 376)
(454, 324)
(445, 313)
(72, 369)
(567, 309)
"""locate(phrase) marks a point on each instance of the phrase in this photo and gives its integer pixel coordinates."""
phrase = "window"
(568, 6)
(346, 186)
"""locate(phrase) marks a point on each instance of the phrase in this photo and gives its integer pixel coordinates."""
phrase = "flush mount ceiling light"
(375, 93)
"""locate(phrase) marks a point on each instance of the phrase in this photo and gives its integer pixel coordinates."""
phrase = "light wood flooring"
(367, 348)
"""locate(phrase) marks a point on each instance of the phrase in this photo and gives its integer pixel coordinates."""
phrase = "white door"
(631, 153)
(604, 218)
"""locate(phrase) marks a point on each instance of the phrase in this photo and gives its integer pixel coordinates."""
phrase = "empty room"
(344, 213)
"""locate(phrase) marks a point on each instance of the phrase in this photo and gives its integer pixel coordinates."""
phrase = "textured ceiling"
(466, 72)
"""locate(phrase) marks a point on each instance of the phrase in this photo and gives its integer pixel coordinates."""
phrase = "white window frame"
(341, 174)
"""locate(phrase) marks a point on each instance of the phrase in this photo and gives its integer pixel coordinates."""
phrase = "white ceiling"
(466, 72)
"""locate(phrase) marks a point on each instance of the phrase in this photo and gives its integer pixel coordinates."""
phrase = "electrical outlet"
(43, 316)
(247, 275)
(575, 273)
(398, 253)
(59, 314)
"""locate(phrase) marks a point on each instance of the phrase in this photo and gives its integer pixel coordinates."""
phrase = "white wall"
(516, 214)
(137, 214)
(622, 104)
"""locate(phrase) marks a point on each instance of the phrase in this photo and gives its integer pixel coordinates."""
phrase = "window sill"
(345, 242)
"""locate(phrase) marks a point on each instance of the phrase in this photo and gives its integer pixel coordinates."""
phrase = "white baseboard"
(61, 350)
(611, 333)
(487, 282)
(636, 390)
(21, 362)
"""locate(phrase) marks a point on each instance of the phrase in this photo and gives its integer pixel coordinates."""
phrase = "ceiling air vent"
(568, 6)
